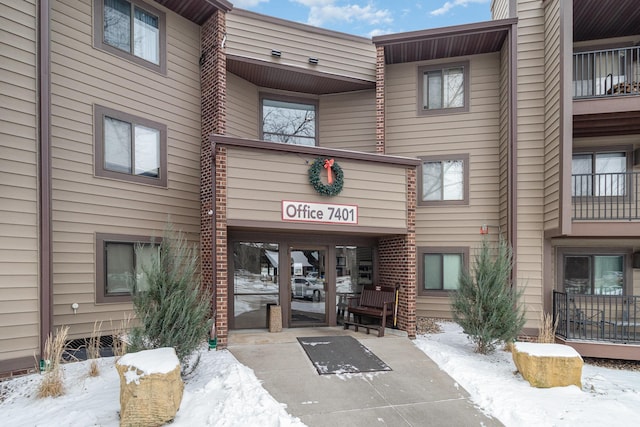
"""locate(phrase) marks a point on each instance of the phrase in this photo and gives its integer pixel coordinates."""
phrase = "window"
(288, 120)
(599, 174)
(590, 274)
(130, 148)
(443, 89)
(444, 180)
(133, 30)
(119, 266)
(439, 269)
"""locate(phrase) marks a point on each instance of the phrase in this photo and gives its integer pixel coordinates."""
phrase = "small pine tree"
(174, 310)
(485, 304)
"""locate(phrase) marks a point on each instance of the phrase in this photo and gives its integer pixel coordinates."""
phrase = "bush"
(485, 305)
(174, 310)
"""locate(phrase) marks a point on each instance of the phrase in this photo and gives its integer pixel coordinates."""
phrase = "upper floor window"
(599, 174)
(443, 89)
(444, 179)
(130, 148)
(132, 29)
(288, 120)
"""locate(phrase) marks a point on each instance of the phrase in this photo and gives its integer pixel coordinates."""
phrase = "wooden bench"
(376, 303)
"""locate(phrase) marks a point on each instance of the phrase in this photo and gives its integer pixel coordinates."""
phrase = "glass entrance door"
(308, 286)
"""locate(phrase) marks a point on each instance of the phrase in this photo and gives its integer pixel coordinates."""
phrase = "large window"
(130, 148)
(599, 174)
(602, 274)
(443, 89)
(292, 121)
(119, 265)
(131, 29)
(444, 180)
(439, 269)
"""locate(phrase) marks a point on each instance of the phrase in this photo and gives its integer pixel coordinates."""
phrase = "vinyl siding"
(552, 180)
(504, 136)
(253, 36)
(243, 108)
(348, 121)
(83, 204)
(381, 203)
(19, 287)
(499, 9)
(530, 157)
(476, 132)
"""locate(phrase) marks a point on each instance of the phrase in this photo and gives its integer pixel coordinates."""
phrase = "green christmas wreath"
(334, 187)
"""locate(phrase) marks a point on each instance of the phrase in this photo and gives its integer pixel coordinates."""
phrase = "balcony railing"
(605, 196)
(603, 318)
(606, 73)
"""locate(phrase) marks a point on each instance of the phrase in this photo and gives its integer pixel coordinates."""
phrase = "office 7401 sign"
(319, 212)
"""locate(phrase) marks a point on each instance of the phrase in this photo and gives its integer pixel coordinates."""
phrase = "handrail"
(606, 196)
(606, 73)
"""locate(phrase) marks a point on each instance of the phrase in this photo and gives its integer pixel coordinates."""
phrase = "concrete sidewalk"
(415, 393)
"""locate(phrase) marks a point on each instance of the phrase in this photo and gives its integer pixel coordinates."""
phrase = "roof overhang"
(276, 76)
(598, 19)
(197, 11)
(446, 42)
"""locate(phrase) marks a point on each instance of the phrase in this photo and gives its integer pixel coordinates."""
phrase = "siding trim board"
(310, 227)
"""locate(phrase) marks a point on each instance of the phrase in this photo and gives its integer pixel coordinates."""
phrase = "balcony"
(604, 318)
(605, 196)
(606, 73)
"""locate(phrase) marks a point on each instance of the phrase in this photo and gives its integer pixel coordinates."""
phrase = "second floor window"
(291, 122)
(444, 180)
(599, 174)
(444, 89)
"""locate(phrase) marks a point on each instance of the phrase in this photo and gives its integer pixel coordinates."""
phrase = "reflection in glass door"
(308, 287)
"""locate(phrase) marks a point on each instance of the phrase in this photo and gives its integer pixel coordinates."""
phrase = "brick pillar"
(380, 149)
(213, 86)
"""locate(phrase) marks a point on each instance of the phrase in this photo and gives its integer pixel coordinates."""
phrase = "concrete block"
(548, 365)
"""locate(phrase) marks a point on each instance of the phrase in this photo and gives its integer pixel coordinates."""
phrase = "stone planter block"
(548, 365)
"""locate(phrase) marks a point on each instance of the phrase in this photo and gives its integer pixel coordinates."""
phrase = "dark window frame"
(99, 43)
(100, 113)
(627, 253)
(626, 149)
(422, 70)
(292, 99)
(101, 261)
(438, 250)
(465, 179)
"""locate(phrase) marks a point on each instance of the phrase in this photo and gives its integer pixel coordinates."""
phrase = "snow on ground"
(224, 393)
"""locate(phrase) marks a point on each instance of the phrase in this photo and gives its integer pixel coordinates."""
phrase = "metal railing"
(602, 317)
(606, 73)
(605, 196)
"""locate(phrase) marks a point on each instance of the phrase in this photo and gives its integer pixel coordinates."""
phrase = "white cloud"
(245, 4)
(322, 11)
(380, 32)
(447, 6)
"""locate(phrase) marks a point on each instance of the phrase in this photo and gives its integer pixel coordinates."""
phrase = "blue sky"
(373, 17)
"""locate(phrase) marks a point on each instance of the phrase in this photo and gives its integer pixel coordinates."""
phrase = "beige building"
(118, 115)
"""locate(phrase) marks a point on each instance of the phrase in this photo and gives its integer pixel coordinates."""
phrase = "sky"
(225, 393)
(370, 18)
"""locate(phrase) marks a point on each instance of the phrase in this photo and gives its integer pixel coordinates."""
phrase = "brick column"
(213, 86)
(380, 149)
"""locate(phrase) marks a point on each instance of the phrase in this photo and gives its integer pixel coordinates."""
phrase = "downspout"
(44, 170)
(512, 168)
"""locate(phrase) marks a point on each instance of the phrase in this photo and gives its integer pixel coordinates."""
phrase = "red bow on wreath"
(328, 164)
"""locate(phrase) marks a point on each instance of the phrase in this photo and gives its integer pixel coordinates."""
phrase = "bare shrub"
(119, 344)
(548, 327)
(52, 383)
(93, 349)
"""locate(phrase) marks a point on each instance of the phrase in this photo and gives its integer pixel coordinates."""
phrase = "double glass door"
(308, 286)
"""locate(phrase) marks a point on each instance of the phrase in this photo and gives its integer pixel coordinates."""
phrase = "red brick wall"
(380, 100)
(397, 262)
(213, 78)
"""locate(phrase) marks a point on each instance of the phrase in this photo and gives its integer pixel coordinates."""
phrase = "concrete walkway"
(415, 393)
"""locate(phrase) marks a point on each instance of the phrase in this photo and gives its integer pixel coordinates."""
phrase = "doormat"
(341, 355)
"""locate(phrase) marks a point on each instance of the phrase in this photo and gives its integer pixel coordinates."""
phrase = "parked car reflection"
(303, 288)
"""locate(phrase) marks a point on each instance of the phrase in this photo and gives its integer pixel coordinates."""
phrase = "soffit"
(447, 42)
(607, 124)
(599, 19)
(197, 11)
(275, 76)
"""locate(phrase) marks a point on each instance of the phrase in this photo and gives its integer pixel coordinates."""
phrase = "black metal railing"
(606, 73)
(605, 196)
(603, 317)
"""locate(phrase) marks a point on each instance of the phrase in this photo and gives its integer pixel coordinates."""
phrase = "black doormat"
(341, 355)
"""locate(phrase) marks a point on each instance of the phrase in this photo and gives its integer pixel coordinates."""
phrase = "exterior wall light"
(276, 53)
(313, 61)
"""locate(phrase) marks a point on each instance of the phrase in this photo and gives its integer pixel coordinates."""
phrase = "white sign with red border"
(319, 212)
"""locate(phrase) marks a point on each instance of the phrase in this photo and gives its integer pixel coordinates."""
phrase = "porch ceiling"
(612, 19)
(275, 76)
(606, 124)
(447, 42)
